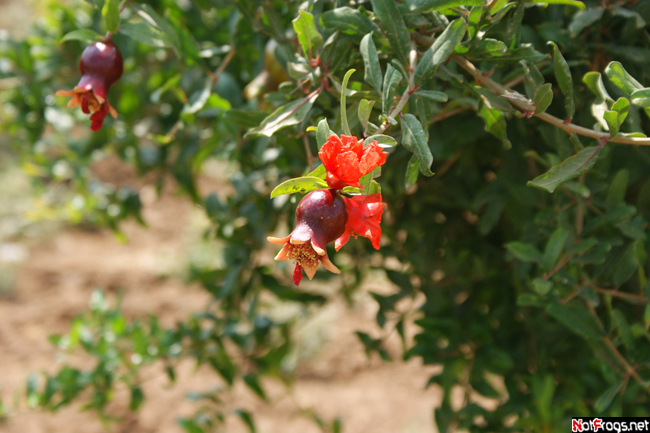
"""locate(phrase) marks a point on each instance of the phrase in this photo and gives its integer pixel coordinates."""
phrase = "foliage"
(529, 248)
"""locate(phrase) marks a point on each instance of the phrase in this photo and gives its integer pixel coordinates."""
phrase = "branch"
(628, 368)
(524, 103)
(413, 56)
(623, 295)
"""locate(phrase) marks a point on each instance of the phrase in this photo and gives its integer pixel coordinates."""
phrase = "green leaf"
(415, 141)
(543, 98)
(253, 383)
(617, 189)
(623, 327)
(622, 79)
(344, 114)
(412, 172)
(607, 397)
(617, 115)
(322, 133)
(582, 246)
(391, 80)
(524, 52)
(372, 69)
(286, 115)
(111, 14)
(578, 4)
(364, 112)
(495, 123)
(542, 286)
(300, 184)
(564, 80)
(485, 48)
(319, 172)
(432, 94)
(394, 28)
(148, 14)
(349, 21)
(439, 5)
(577, 319)
(145, 34)
(308, 36)
(384, 141)
(137, 397)
(524, 251)
(568, 169)
(443, 47)
(584, 19)
(641, 98)
(554, 247)
(85, 35)
(248, 419)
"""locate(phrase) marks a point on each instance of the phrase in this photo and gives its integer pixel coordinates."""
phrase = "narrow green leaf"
(578, 4)
(412, 172)
(391, 80)
(564, 79)
(439, 5)
(582, 246)
(111, 14)
(394, 28)
(616, 116)
(248, 420)
(252, 381)
(148, 14)
(584, 19)
(568, 169)
(439, 52)
(349, 21)
(577, 319)
(364, 112)
(286, 115)
(322, 133)
(621, 78)
(145, 34)
(415, 141)
(495, 123)
(524, 251)
(524, 52)
(137, 397)
(308, 36)
(617, 189)
(607, 397)
(432, 94)
(623, 327)
(542, 286)
(384, 141)
(300, 184)
(641, 97)
(543, 98)
(372, 69)
(319, 172)
(344, 114)
(85, 35)
(554, 247)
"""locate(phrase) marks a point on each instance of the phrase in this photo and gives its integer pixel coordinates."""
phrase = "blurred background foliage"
(537, 298)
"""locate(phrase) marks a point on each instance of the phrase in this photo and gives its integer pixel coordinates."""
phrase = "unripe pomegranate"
(101, 66)
(321, 218)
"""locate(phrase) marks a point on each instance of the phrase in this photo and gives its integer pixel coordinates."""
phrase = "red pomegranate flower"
(364, 216)
(101, 66)
(346, 160)
(321, 217)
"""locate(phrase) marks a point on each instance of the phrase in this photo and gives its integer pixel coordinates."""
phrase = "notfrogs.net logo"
(610, 424)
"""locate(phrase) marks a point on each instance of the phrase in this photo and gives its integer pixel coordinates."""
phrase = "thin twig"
(628, 368)
(413, 56)
(524, 103)
(623, 295)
